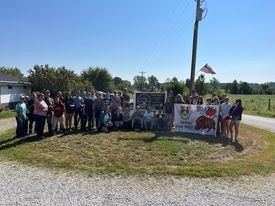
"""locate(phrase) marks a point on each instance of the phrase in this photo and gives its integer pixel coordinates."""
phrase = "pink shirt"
(40, 108)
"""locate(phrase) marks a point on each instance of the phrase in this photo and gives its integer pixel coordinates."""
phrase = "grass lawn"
(7, 114)
(256, 104)
(147, 153)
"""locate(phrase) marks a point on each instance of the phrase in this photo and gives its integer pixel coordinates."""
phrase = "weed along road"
(260, 122)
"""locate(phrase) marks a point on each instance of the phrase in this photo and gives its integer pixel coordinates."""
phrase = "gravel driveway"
(24, 185)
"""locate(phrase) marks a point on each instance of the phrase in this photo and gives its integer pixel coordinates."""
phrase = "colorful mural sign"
(199, 119)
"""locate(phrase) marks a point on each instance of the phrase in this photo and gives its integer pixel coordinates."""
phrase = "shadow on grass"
(13, 142)
(186, 137)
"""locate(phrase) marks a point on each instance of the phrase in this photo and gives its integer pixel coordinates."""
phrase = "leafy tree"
(228, 87)
(187, 83)
(177, 87)
(15, 72)
(245, 88)
(117, 81)
(234, 87)
(153, 82)
(200, 85)
(45, 77)
(140, 83)
(214, 85)
(100, 78)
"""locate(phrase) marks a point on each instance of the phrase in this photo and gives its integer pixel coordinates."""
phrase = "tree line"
(98, 78)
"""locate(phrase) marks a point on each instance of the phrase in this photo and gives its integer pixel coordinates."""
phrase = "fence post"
(269, 104)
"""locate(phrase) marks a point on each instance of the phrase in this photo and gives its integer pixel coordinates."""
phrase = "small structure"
(11, 89)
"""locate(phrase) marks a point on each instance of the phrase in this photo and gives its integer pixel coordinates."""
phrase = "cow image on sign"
(205, 123)
(198, 119)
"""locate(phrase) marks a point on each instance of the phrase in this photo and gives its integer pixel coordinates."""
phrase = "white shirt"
(148, 116)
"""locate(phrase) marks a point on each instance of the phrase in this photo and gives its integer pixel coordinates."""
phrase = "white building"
(11, 89)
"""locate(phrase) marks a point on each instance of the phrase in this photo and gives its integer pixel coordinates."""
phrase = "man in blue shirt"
(21, 110)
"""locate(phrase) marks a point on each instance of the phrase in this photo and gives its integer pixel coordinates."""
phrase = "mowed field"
(256, 104)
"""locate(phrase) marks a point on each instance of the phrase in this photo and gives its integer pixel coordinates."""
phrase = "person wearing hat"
(21, 110)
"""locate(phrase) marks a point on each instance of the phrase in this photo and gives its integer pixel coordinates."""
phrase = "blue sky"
(236, 37)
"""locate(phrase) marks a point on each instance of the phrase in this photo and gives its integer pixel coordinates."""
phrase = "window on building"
(9, 87)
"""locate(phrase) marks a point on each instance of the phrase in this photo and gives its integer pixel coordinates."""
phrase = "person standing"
(169, 112)
(235, 113)
(40, 111)
(49, 101)
(226, 106)
(98, 108)
(69, 110)
(30, 115)
(89, 111)
(78, 109)
(58, 110)
(21, 117)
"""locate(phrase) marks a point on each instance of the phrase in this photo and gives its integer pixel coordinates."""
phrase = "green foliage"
(177, 87)
(245, 88)
(234, 87)
(200, 85)
(122, 84)
(214, 86)
(256, 104)
(153, 82)
(140, 83)
(54, 79)
(7, 114)
(100, 78)
(15, 72)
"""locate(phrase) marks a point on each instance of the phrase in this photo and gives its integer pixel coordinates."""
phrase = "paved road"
(261, 122)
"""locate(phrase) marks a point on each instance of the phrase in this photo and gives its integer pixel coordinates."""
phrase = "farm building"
(11, 89)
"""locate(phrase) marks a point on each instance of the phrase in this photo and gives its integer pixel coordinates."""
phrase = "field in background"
(256, 104)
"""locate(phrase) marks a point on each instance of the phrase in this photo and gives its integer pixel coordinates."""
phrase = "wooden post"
(269, 104)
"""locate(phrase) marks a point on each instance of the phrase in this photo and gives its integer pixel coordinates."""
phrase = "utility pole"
(199, 12)
(142, 72)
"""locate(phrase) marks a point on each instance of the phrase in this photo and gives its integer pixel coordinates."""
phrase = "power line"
(142, 80)
(162, 33)
(161, 43)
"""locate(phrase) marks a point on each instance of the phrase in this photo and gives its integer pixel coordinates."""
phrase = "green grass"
(144, 153)
(7, 114)
(256, 104)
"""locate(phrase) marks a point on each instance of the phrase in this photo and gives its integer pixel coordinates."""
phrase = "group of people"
(229, 117)
(106, 111)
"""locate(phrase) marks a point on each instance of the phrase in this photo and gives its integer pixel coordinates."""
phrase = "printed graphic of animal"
(205, 123)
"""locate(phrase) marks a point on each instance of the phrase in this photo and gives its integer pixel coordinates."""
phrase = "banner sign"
(199, 119)
(149, 99)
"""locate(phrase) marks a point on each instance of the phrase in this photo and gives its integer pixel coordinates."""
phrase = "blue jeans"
(40, 123)
(20, 126)
(78, 113)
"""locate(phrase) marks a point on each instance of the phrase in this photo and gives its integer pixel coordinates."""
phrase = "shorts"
(236, 121)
